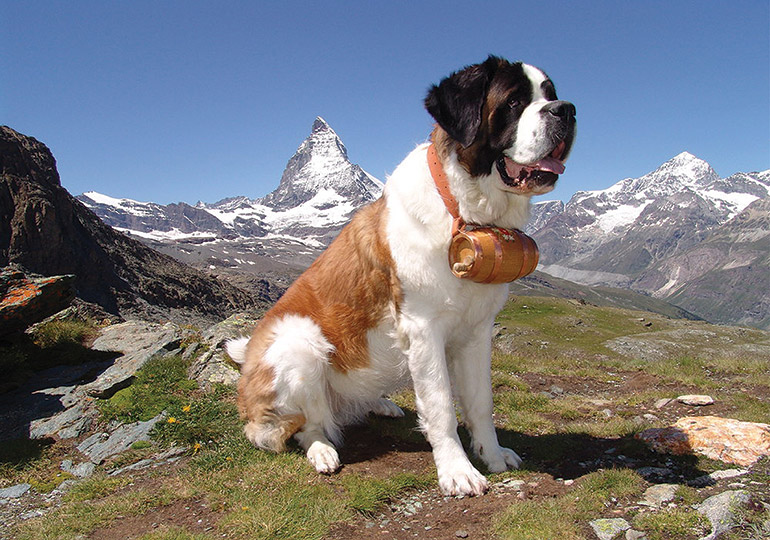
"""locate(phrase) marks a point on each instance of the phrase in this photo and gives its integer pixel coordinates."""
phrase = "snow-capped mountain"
(610, 236)
(318, 193)
(655, 233)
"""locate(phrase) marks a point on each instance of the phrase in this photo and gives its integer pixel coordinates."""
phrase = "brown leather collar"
(442, 185)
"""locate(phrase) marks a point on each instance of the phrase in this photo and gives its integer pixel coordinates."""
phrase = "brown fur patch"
(348, 289)
(346, 292)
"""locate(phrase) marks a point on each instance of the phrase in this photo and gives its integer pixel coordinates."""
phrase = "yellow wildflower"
(186, 408)
(171, 420)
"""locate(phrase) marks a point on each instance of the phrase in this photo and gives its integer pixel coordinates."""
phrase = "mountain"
(635, 232)
(319, 191)
(724, 278)
(45, 230)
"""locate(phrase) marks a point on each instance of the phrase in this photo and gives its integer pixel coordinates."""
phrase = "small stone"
(662, 402)
(14, 492)
(609, 528)
(728, 473)
(696, 400)
(631, 534)
(461, 534)
(658, 494)
(558, 390)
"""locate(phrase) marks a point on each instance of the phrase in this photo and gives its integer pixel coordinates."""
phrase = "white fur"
(236, 348)
(531, 137)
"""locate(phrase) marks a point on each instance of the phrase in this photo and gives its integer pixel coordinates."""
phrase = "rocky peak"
(22, 156)
(320, 167)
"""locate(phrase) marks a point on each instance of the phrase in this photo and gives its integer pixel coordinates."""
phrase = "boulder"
(720, 511)
(25, 300)
(139, 341)
(100, 446)
(723, 439)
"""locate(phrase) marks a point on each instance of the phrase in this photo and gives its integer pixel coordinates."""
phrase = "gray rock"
(100, 446)
(138, 341)
(652, 474)
(662, 402)
(658, 494)
(609, 528)
(720, 511)
(212, 368)
(631, 534)
(68, 424)
(236, 326)
(14, 492)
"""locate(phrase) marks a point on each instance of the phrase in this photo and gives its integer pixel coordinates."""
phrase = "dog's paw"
(461, 479)
(323, 457)
(501, 460)
(385, 407)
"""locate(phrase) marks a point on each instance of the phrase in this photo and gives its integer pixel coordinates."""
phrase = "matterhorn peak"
(321, 125)
(321, 165)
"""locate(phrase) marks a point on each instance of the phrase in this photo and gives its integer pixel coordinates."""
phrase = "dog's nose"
(561, 109)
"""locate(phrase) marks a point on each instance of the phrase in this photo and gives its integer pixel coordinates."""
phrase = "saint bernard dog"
(381, 308)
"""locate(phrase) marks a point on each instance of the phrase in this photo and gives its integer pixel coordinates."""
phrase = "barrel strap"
(442, 185)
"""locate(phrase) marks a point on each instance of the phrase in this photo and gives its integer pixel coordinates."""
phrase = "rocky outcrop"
(25, 300)
(45, 230)
(723, 439)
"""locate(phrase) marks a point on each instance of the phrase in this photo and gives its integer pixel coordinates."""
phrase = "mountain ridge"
(620, 236)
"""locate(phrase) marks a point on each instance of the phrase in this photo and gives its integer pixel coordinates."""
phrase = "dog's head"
(504, 119)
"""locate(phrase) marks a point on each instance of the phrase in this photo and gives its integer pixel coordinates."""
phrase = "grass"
(161, 384)
(673, 523)
(279, 496)
(83, 517)
(564, 516)
(368, 494)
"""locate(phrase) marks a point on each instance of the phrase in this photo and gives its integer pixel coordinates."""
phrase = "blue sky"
(184, 101)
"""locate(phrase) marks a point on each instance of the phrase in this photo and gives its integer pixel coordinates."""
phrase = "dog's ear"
(457, 101)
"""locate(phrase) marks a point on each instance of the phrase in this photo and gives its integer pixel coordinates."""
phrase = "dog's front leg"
(470, 358)
(435, 407)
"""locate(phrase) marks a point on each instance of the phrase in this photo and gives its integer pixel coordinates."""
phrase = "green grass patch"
(673, 523)
(367, 495)
(563, 516)
(159, 385)
(58, 333)
(175, 533)
(207, 418)
(536, 520)
(83, 517)
(749, 408)
(95, 487)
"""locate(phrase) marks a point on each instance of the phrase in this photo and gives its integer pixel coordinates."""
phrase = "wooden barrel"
(492, 255)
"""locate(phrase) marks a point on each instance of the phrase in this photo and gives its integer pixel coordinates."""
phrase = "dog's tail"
(236, 348)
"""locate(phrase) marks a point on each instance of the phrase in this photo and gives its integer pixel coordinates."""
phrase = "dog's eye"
(514, 103)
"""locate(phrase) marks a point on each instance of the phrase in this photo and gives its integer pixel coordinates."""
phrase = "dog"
(380, 307)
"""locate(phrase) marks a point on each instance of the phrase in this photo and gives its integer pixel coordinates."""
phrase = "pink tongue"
(550, 164)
